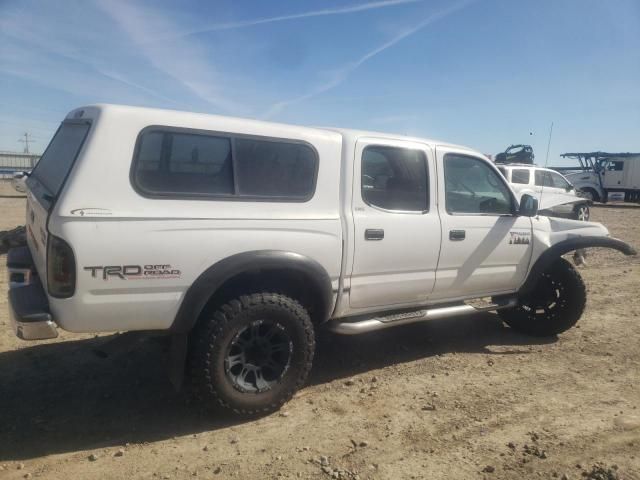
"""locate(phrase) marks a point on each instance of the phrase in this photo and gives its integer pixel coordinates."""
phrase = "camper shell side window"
(184, 163)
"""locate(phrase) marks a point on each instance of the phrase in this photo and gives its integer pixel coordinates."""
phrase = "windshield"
(59, 156)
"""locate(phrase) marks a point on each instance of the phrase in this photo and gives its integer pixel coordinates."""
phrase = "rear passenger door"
(551, 181)
(396, 223)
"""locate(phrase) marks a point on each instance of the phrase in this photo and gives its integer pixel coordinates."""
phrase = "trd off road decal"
(134, 272)
(519, 238)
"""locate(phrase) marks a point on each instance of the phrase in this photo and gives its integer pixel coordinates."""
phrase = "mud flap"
(177, 359)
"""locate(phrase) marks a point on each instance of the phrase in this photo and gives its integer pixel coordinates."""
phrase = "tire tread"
(207, 331)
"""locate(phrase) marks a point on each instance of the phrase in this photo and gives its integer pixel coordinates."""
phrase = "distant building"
(11, 162)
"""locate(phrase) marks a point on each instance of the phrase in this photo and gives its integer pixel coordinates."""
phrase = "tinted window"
(59, 156)
(274, 169)
(170, 162)
(543, 179)
(395, 178)
(615, 166)
(504, 172)
(184, 163)
(472, 186)
(558, 181)
(520, 175)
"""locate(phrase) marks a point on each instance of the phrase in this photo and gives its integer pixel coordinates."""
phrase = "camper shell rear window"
(185, 163)
(58, 159)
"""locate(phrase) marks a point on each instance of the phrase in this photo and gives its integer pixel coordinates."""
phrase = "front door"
(486, 249)
(613, 174)
(396, 224)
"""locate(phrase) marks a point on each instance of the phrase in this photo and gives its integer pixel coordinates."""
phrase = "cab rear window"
(58, 158)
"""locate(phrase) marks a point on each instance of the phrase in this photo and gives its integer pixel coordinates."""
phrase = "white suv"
(239, 238)
(556, 195)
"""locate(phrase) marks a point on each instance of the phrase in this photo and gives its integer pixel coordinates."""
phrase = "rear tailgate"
(45, 184)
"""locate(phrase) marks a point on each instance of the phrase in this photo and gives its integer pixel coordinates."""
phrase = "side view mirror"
(528, 206)
(18, 181)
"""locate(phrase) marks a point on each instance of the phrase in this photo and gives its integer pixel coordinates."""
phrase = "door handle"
(374, 234)
(457, 235)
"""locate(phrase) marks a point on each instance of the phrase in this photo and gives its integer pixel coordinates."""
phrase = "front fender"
(569, 245)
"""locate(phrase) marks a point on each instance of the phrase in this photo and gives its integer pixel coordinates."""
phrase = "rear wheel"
(252, 354)
(553, 306)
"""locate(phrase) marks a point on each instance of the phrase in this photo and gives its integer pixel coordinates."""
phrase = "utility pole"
(26, 140)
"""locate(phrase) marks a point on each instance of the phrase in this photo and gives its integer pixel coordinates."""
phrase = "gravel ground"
(461, 398)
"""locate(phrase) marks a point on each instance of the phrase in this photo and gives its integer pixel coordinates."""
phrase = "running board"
(346, 327)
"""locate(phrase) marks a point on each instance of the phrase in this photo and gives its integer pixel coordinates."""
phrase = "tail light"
(61, 268)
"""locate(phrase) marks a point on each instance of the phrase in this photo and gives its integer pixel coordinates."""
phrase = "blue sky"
(483, 73)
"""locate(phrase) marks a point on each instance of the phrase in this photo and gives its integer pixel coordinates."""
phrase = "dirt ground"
(457, 399)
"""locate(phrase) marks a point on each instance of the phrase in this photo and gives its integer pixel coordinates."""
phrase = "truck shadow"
(63, 397)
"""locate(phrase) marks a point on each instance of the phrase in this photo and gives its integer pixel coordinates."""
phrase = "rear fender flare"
(216, 275)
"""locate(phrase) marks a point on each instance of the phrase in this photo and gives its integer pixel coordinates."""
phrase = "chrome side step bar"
(346, 327)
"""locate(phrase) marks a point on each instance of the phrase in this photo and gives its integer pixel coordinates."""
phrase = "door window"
(473, 187)
(543, 179)
(558, 181)
(395, 178)
(615, 166)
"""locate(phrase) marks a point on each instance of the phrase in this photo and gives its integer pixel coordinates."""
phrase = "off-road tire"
(213, 336)
(561, 285)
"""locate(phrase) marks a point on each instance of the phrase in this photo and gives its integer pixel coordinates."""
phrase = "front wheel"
(582, 213)
(591, 194)
(553, 306)
(252, 354)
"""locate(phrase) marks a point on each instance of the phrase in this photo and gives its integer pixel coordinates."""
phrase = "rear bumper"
(28, 302)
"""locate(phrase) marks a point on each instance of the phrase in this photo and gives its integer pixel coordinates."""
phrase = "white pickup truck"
(240, 238)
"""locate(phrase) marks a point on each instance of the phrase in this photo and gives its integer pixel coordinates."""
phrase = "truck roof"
(167, 116)
(355, 133)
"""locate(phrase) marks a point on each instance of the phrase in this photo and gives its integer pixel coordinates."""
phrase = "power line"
(26, 140)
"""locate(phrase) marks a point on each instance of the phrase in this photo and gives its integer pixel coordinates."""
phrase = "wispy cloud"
(296, 16)
(57, 44)
(338, 76)
(184, 61)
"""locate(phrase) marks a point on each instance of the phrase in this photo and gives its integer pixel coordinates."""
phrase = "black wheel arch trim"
(217, 274)
(569, 245)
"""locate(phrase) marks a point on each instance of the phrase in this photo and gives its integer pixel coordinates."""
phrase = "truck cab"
(602, 173)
